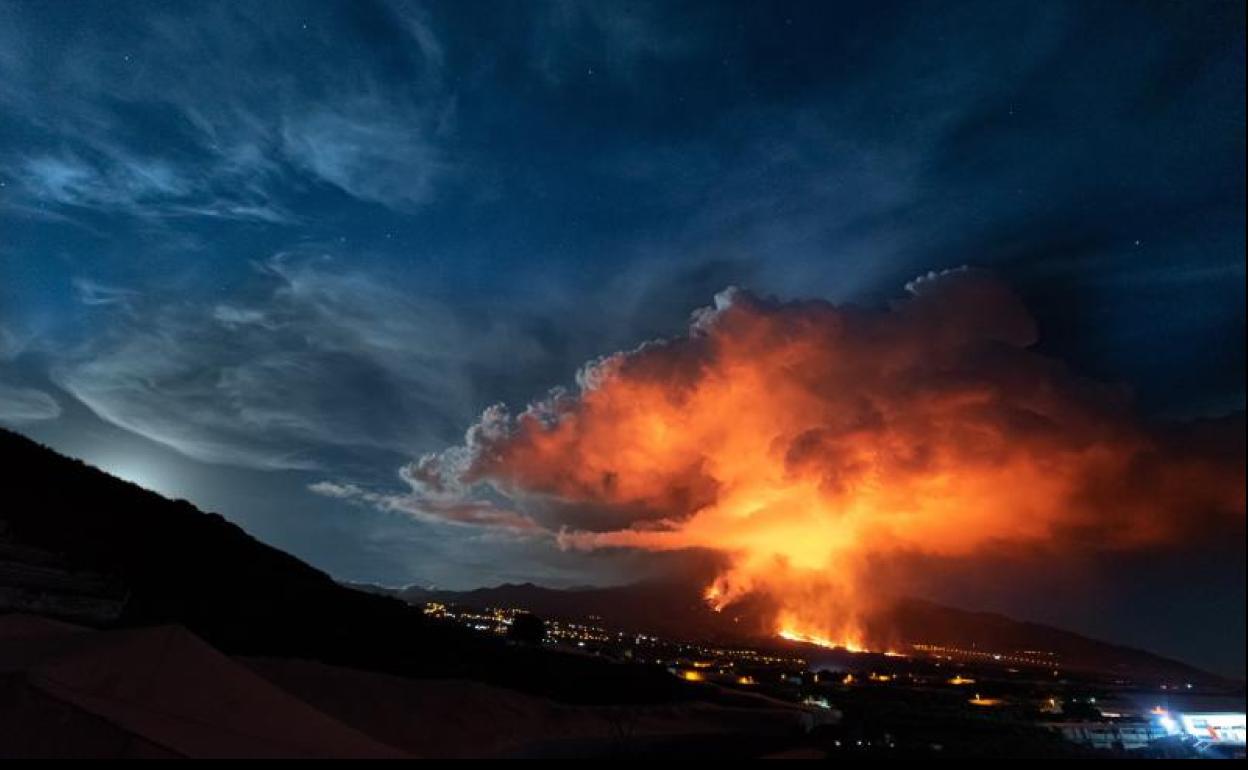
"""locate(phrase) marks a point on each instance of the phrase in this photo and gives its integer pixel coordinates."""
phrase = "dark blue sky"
(249, 247)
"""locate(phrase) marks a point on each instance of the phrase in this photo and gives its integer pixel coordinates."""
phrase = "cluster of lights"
(578, 633)
(751, 656)
(700, 663)
(498, 620)
(949, 653)
(493, 620)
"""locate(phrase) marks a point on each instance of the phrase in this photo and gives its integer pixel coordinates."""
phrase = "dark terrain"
(677, 611)
(176, 564)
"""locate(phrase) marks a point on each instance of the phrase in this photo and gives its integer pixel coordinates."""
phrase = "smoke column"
(804, 440)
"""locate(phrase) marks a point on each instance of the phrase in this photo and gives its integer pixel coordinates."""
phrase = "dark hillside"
(175, 564)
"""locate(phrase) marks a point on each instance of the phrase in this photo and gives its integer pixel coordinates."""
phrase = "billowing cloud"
(803, 440)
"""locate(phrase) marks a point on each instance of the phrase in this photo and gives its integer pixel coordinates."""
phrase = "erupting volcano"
(807, 443)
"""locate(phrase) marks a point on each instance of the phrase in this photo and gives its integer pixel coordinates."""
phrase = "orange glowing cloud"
(802, 440)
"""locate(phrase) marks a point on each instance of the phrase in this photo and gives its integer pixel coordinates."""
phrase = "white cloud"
(385, 161)
(449, 510)
(123, 182)
(94, 293)
(336, 490)
(19, 405)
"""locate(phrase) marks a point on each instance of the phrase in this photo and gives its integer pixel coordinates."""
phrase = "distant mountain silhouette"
(677, 611)
(921, 621)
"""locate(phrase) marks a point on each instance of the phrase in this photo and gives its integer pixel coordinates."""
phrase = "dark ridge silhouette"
(169, 563)
(918, 620)
(181, 565)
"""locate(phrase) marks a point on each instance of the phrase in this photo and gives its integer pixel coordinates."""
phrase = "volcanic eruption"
(806, 441)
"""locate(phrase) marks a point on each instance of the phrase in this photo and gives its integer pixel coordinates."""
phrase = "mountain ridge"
(646, 607)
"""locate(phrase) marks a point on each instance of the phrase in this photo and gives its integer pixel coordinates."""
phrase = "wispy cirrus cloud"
(178, 117)
(385, 161)
(94, 293)
(70, 180)
(450, 509)
(11, 344)
(122, 182)
(20, 405)
(316, 359)
(23, 405)
(573, 38)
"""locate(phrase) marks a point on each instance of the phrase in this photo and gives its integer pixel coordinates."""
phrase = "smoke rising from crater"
(803, 441)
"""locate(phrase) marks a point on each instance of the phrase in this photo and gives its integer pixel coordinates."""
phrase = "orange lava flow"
(805, 441)
(799, 636)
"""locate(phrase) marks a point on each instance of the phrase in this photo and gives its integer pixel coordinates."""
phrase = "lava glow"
(822, 641)
(805, 442)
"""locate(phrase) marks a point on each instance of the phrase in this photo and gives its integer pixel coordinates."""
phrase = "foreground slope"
(165, 562)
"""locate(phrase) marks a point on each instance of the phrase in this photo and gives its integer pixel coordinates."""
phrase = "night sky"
(255, 253)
